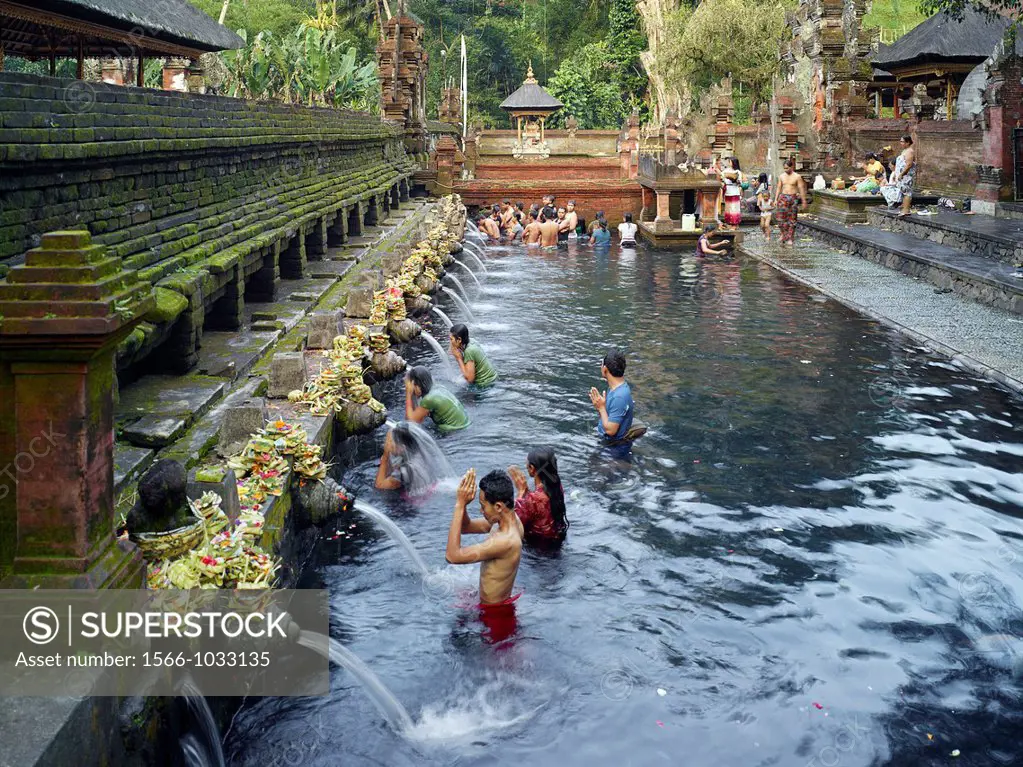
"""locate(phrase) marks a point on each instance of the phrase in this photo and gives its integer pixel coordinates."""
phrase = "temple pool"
(813, 558)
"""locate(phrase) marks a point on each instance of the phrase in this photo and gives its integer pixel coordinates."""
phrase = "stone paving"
(983, 338)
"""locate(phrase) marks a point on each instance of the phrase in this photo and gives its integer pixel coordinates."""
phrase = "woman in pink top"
(542, 510)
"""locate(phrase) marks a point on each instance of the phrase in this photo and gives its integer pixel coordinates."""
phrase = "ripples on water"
(821, 515)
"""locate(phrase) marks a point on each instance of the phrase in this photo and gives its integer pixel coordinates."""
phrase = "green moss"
(214, 474)
(169, 304)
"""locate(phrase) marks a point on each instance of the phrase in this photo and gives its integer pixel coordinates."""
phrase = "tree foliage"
(956, 8)
(586, 84)
(722, 37)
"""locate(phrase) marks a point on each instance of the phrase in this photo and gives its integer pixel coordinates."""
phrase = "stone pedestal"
(663, 208)
(112, 71)
(175, 75)
(65, 311)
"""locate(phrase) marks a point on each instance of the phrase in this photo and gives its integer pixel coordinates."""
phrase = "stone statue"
(162, 503)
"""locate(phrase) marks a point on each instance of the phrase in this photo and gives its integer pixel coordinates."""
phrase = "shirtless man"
(563, 228)
(507, 215)
(571, 217)
(548, 232)
(488, 225)
(791, 190)
(499, 553)
(531, 234)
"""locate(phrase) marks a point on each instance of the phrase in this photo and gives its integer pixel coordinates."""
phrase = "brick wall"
(583, 143)
(206, 196)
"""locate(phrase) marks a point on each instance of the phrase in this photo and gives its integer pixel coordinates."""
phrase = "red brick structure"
(65, 311)
(402, 61)
(1000, 117)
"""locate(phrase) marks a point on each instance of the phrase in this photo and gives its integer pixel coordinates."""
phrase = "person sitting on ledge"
(472, 360)
(874, 175)
(704, 246)
(433, 401)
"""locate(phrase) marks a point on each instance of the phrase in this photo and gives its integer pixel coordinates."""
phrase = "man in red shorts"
(499, 553)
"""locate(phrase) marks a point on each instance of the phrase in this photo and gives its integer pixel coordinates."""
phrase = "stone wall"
(579, 143)
(211, 199)
(948, 151)
(551, 168)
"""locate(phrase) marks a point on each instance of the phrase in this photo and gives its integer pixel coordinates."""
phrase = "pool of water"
(812, 558)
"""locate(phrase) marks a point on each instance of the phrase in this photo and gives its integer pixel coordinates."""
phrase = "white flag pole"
(465, 90)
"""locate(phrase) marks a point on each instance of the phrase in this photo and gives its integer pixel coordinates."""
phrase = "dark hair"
(570, 202)
(602, 223)
(600, 214)
(614, 361)
(869, 156)
(520, 205)
(791, 163)
(628, 218)
(403, 439)
(495, 208)
(546, 464)
(421, 377)
(541, 217)
(506, 201)
(461, 332)
(710, 226)
(498, 488)
(762, 178)
(735, 163)
(908, 139)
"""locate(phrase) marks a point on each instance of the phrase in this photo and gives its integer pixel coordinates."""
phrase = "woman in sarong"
(900, 188)
(732, 177)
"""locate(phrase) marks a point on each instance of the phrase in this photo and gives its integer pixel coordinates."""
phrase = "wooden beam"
(140, 75)
(80, 71)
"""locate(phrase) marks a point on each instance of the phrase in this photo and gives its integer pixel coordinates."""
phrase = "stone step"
(972, 233)
(129, 463)
(333, 269)
(979, 278)
(1011, 210)
(155, 410)
(231, 354)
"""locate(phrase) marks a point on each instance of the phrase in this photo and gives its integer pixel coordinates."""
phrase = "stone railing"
(209, 199)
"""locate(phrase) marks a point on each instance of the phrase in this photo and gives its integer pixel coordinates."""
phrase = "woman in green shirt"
(434, 401)
(471, 359)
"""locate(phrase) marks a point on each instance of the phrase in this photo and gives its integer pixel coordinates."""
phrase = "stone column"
(65, 311)
(175, 75)
(196, 77)
(112, 71)
(663, 207)
(449, 163)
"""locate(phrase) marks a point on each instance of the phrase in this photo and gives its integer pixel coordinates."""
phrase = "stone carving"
(163, 502)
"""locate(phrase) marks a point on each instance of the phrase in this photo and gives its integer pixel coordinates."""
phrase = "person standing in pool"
(472, 360)
(541, 510)
(531, 232)
(548, 232)
(627, 232)
(615, 406)
(499, 553)
(423, 398)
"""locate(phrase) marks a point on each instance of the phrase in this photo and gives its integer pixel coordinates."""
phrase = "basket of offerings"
(308, 462)
(379, 343)
(170, 543)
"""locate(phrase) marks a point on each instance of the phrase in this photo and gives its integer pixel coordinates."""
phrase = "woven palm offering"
(379, 343)
(170, 543)
(206, 506)
(308, 462)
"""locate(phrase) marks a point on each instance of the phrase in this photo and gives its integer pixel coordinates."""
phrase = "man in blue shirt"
(614, 406)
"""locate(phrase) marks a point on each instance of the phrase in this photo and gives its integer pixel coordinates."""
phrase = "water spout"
(475, 254)
(394, 532)
(449, 371)
(461, 287)
(462, 304)
(382, 698)
(212, 755)
(447, 320)
(470, 273)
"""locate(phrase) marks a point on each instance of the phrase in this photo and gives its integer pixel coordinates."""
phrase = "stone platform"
(980, 338)
(846, 207)
(981, 278)
(671, 236)
(980, 235)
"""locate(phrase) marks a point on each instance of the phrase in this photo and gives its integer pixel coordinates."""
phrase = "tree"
(956, 8)
(587, 84)
(722, 37)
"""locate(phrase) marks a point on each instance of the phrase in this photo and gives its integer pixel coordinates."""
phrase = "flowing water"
(447, 320)
(394, 532)
(470, 273)
(209, 751)
(395, 714)
(475, 253)
(461, 287)
(813, 557)
(460, 303)
(433, 343)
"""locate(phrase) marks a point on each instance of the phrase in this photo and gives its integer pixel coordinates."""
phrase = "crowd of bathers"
(548, 225)
(512, 512)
